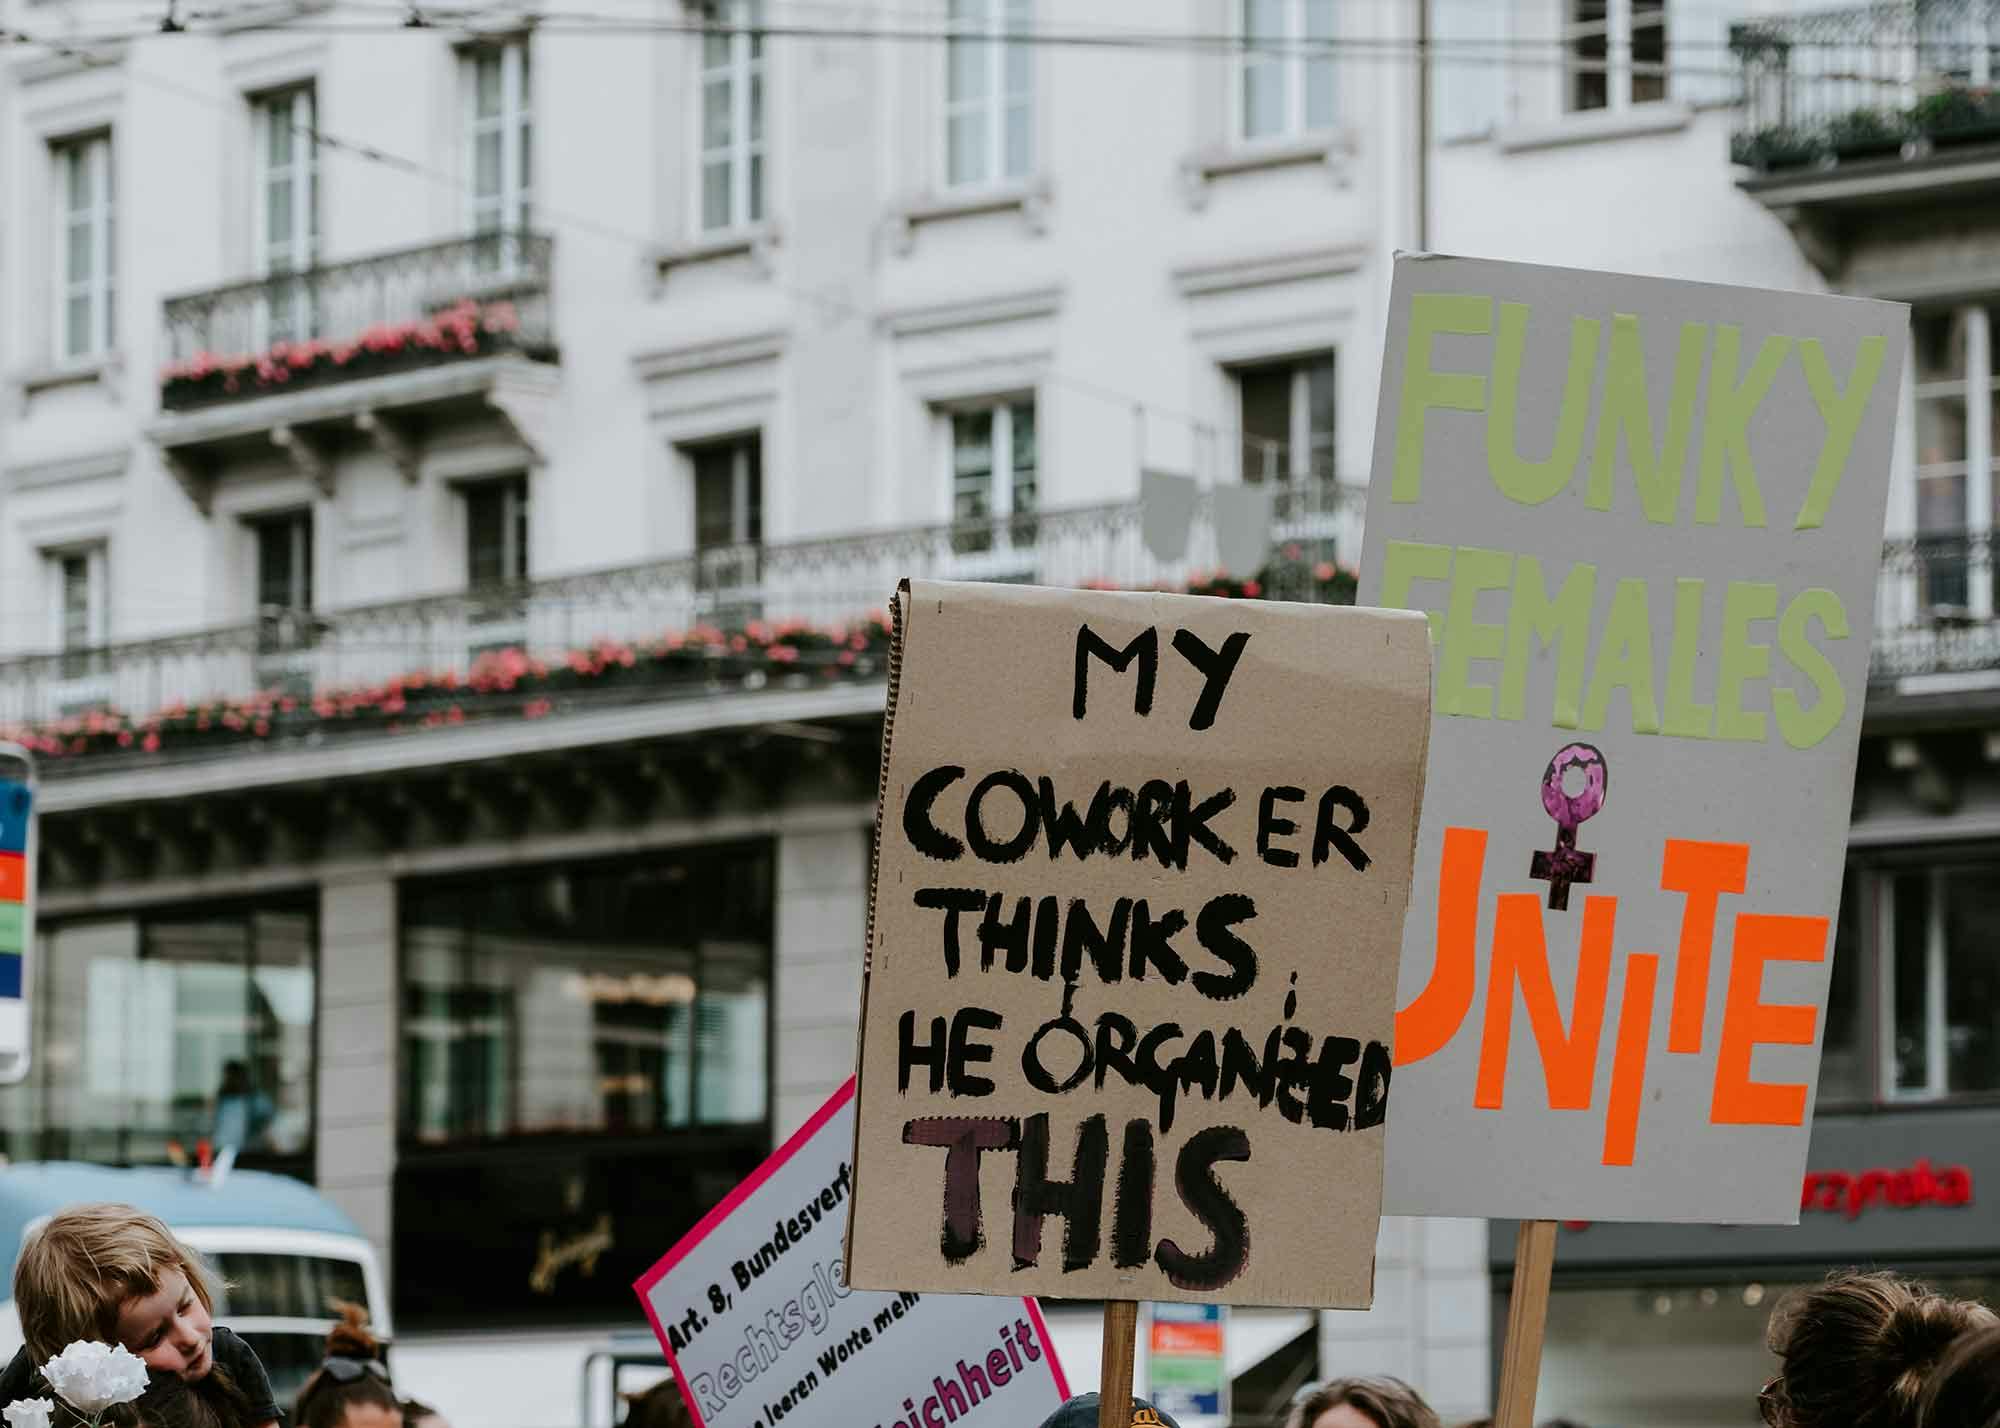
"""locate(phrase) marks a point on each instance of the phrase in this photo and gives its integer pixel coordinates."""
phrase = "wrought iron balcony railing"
(1934, 610)
(792, 594)
(742, 616)
(386, 313)
(1873, 81)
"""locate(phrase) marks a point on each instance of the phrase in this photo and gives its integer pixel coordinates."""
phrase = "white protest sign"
(1645, 519)
(757, 1320)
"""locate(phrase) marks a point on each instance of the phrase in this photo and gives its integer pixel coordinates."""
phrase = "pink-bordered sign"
(753, 1313)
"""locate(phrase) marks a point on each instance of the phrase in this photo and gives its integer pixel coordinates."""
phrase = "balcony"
(733, 621)
(1853, 116)
(375, 349)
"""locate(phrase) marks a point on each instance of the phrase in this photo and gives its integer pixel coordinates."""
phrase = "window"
(1945, 353)
(168, 1030)
(993, 477)
(284, 596)
(1617, 53)
(1913, 1010)
(500, 132)
(79, 621)
(732, 118)
(86, 323)
(1285, 73)
(1942, 984)
(496, 533)
(1287, 419)
(284, 562)
(287, 208)
(729, 525)
(989, 93)
(622, 999)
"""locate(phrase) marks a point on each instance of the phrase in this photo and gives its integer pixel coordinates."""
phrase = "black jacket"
(21, 1379)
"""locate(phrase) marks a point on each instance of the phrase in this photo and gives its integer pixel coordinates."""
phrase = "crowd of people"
(1861, 1350)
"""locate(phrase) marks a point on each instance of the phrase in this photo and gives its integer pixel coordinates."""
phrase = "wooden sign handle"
(1527, 1321)
(1114, 1385)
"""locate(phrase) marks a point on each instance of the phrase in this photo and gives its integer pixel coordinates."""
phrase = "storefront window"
(1846, 1056)
(171, 1036)
(624, 999)
(1946, 983)
(1670, 1355)
(586, 1051)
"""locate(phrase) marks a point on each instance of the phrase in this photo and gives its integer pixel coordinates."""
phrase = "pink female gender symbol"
(1563, 864)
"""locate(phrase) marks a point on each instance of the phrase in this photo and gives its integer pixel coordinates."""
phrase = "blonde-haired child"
(114, 1274)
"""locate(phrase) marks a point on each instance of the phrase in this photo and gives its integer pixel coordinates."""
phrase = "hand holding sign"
(1143, 863)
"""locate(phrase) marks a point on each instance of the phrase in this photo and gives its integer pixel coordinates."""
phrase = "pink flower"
(1323, 571)
(151, 743)
(1252, 589)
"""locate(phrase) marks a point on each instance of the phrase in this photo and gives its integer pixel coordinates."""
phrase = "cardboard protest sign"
(1645, 520)
(761, 1327)
(1141, 873)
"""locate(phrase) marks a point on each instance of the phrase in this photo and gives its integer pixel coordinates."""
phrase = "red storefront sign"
(1840, 1192)
(1837, 1192)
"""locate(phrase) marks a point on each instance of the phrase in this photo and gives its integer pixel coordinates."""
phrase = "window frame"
(516, 509)
(999, 32)
(1622, 72)
(698, 858)
(745, 454)
(514, 200)
(1299, 453)
(1295, 66)
(94, 151)
(747, 74)
(298, 523)
(144, 924)
(97, 613)
(1871, 880)
(1013, 536)
(301, 248)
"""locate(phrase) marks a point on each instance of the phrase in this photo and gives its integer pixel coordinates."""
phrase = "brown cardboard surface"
(1269, 1194)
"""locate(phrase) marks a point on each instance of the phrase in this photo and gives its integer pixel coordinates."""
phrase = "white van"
(285, 1254)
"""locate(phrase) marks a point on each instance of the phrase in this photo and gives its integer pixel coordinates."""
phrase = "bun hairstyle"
(1857, 1350)
(1964, 1391)
(353, 1375)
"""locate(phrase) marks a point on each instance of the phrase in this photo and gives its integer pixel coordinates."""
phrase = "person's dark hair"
(660, 1406)
(348, 1378)
(1964, 1389)
(1389, 1401)
(1855, 1351)
(415, 1412)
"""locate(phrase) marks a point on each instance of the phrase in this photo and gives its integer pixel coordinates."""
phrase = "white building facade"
(450, 462)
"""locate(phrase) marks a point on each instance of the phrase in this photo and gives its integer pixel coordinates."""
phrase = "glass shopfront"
(585, 1070)
(165, 1036)
(1662, 1326)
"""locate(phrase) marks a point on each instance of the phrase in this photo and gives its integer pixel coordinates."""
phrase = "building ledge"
(1596, 126)
(1335, 150)
(1879, 183)
(103, 369)
(304, 425)
(435, 749)
(1029, 198)
(758, 243)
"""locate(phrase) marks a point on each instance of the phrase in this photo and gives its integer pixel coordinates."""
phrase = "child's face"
(169, 1329)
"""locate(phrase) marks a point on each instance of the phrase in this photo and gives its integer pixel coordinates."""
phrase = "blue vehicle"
(286, 1256)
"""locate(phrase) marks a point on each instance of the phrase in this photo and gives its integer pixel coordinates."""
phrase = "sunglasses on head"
(345, 1370)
